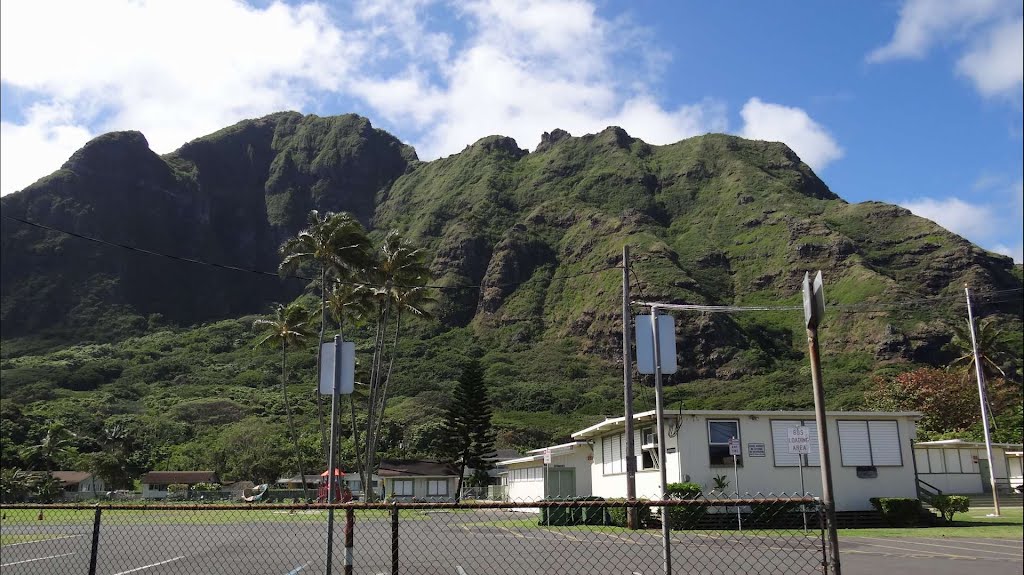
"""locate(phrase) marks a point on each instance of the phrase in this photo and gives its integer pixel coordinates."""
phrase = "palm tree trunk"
(288, 412)
(391, 365)
(372, 424)
(319, 353)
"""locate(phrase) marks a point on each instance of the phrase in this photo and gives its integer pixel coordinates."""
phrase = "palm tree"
(399, 275)
(50, 451)
(289, 327)
(989, 338)
(337, 244)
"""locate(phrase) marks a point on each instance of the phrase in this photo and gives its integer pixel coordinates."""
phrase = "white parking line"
(460, 570)
(150, 566)
(36, 559)
(297, 569)
(48, 539)
(923, 552)
(1013, 544)
(944, 546)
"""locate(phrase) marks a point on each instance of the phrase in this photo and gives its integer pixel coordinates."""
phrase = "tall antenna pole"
(984, 408)
(627, 379)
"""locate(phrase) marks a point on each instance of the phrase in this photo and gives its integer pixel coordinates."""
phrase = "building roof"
(538, 454)
(309, 478)
(417, 468)
(610, 424)
(172, 477)
(71, 477)
(966, 444)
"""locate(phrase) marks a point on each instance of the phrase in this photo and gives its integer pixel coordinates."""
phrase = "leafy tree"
(948, 401)
(992, 349)
(468, 425)
(289, 327)
(338, 246)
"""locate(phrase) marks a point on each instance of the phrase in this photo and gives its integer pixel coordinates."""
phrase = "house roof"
(172, 477)
(610, 424)
(538, 454)
(417, 468)
(71, 477)
(966, 444)
(308, 478)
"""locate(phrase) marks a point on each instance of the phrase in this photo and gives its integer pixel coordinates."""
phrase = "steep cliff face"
(230, 197)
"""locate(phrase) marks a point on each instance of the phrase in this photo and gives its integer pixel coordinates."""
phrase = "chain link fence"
(708, 535)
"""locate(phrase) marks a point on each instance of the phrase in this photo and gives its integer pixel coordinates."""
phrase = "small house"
(418, 480)
(962, 467)
(871, 454)
(80, 484)
(555, 472)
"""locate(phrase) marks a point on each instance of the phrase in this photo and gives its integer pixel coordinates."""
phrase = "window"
(402, 488)
(613, 459)
(355, 484)
(870, 443)
(780, 443)
(648, 446)
(437, 487)
(525, 474)
(720, 431)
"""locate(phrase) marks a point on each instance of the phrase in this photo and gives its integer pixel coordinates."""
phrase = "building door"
(560, 483)
(986, 481)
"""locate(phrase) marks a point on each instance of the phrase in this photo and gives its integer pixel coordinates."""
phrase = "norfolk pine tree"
(468, 421)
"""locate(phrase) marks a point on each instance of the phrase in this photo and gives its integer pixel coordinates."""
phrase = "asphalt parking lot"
(931, 555)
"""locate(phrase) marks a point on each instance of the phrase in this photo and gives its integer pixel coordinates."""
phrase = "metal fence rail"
(717, 536)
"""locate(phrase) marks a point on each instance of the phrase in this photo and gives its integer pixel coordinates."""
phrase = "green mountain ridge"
(526, 245)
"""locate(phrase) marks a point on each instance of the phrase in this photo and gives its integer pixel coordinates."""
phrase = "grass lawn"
(211, 516)
(1010, 525)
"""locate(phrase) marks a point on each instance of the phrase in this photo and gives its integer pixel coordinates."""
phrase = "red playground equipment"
(339, 494)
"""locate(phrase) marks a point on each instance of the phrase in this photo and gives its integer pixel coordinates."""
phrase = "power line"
(286, 276)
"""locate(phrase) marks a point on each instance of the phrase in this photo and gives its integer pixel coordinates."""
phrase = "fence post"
(823, 529)
(394, 538)
(350, 527)
(330, 538)
(95, 540)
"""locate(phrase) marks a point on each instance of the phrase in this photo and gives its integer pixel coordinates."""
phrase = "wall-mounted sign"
(755, 450)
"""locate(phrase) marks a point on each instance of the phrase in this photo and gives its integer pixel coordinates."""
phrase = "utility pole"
(659, 406)
(984, 408)
(814, 309)
(332, 484)
(627, 379)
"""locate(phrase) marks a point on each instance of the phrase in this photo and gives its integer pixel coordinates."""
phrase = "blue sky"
(915, 102)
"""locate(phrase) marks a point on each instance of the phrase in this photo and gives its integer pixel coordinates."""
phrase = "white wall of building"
(525, 476)
(423, 488)
(956, 467)
(772, 472)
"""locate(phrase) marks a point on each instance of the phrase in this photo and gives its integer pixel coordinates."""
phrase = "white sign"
(734, 447)
(645, 344)
(547, 457)
(799, 439)
(755, 450)
(348, 368)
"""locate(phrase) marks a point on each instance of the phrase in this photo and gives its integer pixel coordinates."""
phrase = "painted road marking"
(1014, 544)
(47, 540)
(36, 559)
(946, 546)
(918, 551)
(460, 570)
(297, 569)
(150, 566)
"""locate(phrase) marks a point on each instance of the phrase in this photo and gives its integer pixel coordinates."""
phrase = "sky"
(912, 102)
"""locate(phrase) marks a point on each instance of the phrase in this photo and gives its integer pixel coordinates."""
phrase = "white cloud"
(956, 215)
(1016, 252)
(173, 70)
(792, 126)
(996, 62)
(987, 32)
(521, 72)
(39, 146)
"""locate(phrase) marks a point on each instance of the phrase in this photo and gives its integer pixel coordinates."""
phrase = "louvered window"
(870, 443)
(780, 443)
(612, 454)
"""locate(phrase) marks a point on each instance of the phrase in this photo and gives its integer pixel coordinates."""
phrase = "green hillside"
(525, 248)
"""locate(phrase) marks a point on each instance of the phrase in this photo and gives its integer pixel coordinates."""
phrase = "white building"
(962, 467)
(567, 475)
(871, 452)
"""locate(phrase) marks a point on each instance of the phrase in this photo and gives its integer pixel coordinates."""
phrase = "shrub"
(618, 514)
(685, 517)
(950, 504)
(898, 511)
